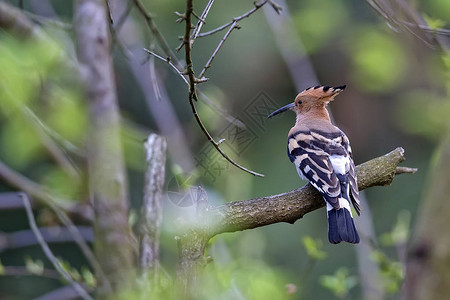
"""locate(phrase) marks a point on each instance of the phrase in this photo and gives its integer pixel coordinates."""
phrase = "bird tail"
(341, 226)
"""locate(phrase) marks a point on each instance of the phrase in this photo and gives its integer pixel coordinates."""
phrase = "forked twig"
(192, 91)
(201, 21)
(208, 101)
(21, 182)
(237, 19)
(154, 29)
(222, 41)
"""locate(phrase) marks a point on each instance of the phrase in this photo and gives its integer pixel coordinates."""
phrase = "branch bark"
(151, 209)
(287, 207)
(107, 178)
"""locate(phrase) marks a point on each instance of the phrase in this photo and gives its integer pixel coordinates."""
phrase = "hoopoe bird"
(322, 155)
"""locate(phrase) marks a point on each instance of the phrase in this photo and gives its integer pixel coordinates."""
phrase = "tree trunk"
(107, 177)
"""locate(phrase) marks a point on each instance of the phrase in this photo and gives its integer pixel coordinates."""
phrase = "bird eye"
(299, 102)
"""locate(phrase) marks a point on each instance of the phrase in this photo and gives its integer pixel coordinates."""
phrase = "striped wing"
(354, 192)
(325, 160)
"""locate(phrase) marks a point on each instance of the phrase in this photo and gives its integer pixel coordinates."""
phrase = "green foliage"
(67, 187)
(400, 232)
(313, 248)
(2, 268)
(88, 277)
(20, 142)
(439, 9)
(340, 283)
(33, 70)
(24, 64)
(434, 23)
(34, 266)
(66, 113)
(391, 271)
(318, 21)
(250, 279)
(379, 60)
(423, 113)
(133, 146)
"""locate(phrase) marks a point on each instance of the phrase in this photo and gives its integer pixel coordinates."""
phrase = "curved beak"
(282, 109)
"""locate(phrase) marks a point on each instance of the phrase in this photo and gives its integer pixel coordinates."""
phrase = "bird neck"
(315, 113)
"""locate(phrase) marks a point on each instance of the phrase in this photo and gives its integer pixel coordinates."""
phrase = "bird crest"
(319, 92)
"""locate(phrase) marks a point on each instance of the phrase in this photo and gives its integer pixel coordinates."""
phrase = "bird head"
(318, 96)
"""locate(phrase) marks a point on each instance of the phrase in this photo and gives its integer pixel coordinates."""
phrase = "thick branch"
(291, 206)
(287, 207)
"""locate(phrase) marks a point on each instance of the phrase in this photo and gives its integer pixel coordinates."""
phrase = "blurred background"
(397, 95)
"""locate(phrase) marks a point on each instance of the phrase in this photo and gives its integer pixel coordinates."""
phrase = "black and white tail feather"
(325, 160)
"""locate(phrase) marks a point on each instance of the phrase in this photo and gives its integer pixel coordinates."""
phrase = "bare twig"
(237, 19)
(156, 32)
(192, 91)
(54, 234)
(121, 19)
(200, 23)
(154, 79)
(414, 23)
(59, 293)
(23, 271)
(49, 254)
(53, 134)
(169, 62)
(222, 41)
(54, 150)
(405, 170)
(208, 101)
(151, 209)
(36, 191)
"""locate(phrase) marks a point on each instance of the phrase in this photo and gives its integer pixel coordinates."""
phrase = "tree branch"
(291, 206)
(237, 19)
(154, 29)
(38, 192)
(222, 41)
(201, 21)
(192, 91)
(49, 254)
(286, 207)
(151, 209)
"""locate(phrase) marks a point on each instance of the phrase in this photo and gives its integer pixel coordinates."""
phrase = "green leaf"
(379, 60)
(313, 248)
(340, 283)
(88, 277)
(400, 232)
(2, 268)
(392, 273)
(34, 266)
